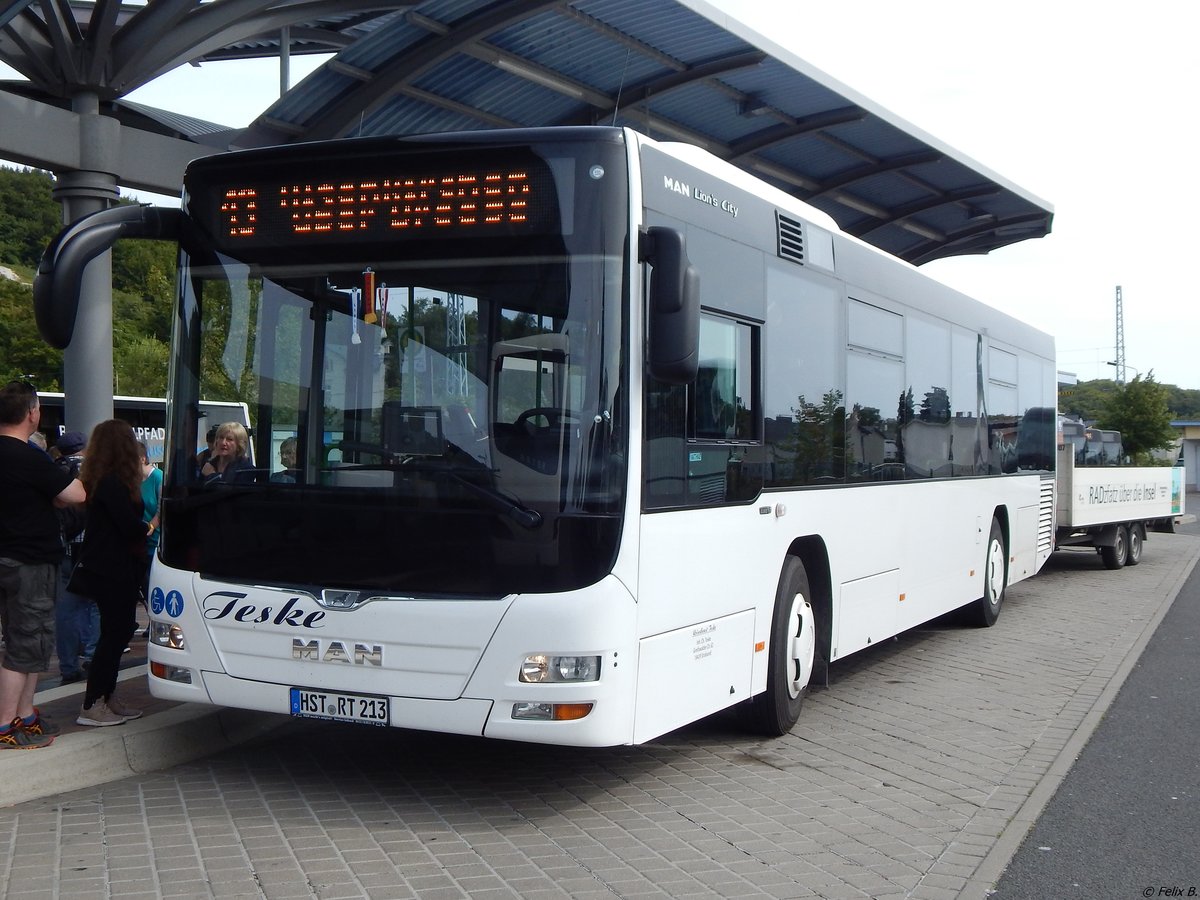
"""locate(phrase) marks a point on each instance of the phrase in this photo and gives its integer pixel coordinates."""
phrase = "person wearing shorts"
(31, 551)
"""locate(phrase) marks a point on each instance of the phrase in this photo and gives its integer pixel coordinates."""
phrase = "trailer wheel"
(1137, 537)
(793, 652)
(984, 612)
(1118, 554)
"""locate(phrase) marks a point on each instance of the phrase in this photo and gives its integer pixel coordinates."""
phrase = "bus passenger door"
(532, 418)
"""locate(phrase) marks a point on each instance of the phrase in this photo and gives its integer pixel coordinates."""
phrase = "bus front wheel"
(986, 610)
(792, 654)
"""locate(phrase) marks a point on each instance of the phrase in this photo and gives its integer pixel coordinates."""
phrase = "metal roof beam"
(65, 38)
(546, 77)
(780, 173)
(145, 34)
(489, 119)
(13, 9)
(363, 99)
(912, 209)
(794, 128)
(894, 164)
(100, 32)
(969, 241)
(302, 41)
(624, 39)
(25, 45)
(207, 28)
(635, 96)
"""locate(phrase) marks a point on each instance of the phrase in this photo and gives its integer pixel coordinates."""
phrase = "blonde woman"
(228, 462)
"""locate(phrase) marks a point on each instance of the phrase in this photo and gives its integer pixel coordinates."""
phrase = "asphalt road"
(1125, 823)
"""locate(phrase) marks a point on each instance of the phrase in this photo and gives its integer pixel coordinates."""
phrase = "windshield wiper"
(522, 515)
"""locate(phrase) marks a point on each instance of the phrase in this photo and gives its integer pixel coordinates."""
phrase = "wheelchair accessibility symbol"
(157, 601)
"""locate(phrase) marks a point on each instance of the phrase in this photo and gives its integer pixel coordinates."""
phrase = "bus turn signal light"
(556, 712)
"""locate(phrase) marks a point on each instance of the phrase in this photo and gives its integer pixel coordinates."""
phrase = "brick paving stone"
(897, 781)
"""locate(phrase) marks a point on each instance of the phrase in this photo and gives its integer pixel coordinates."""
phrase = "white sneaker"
(125, 712)
(99, 715)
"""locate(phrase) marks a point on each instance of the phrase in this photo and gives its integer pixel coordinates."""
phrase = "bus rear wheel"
(1117, 555)
(792, 655)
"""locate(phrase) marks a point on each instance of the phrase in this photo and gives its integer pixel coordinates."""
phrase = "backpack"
(71, 519)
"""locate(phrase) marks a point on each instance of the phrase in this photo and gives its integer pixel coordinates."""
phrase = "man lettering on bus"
(31, 550)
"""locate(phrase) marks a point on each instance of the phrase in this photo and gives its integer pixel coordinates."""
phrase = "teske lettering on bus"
(224, 604)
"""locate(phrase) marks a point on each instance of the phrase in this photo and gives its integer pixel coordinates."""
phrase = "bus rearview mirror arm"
(673, 353)
(60, 273)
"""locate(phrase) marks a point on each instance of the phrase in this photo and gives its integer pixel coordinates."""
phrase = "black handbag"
(82, 581)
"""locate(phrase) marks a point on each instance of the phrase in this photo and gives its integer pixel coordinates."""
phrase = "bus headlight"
(166, 634)
(541, 668)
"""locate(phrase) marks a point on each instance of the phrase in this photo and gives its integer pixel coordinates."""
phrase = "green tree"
(1184, 403)
(29, 217)
(145, 272)
(1139, 411)
(140, 368)
(817, 446)
(22, 350)
(1087, 399)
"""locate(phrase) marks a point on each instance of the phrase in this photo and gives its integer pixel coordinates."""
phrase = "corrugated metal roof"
(673, 69)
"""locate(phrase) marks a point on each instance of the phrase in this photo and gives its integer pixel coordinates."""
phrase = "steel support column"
(88, 360)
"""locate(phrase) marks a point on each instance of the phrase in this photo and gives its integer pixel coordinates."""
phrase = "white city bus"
(596, 436)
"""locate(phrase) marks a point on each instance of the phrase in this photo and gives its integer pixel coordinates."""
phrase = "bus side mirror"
(673, 352)
(60, 273)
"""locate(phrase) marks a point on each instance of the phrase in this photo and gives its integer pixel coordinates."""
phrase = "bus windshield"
(434, 411)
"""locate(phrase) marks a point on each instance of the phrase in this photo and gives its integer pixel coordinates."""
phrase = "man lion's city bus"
(595, 436)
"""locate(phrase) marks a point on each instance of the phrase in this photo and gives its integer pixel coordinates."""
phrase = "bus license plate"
(363, 708)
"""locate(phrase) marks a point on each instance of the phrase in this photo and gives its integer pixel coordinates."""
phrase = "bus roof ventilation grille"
(791, 238)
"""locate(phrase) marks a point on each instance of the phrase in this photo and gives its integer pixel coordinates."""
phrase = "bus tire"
(792, 656)
(1117, 554)
(1137, 539)
(984, 612)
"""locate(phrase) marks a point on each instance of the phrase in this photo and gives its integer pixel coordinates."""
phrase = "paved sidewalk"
(81, 756)
(915, 774)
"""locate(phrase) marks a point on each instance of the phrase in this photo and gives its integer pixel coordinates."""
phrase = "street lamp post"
(1137, 373)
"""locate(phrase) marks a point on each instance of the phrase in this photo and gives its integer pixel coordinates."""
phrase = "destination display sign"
(386, 205)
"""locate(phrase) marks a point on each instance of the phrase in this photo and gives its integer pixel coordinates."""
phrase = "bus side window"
(724, 388)
(703, 441)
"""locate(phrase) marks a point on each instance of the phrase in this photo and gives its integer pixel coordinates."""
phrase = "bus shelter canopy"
(673, 69)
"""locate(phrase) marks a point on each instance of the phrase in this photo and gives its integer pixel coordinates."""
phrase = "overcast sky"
(1088, 105)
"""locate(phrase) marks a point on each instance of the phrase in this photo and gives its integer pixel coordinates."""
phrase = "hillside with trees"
(143, 291)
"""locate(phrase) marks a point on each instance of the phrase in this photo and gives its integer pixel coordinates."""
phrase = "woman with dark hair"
(112, 559)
